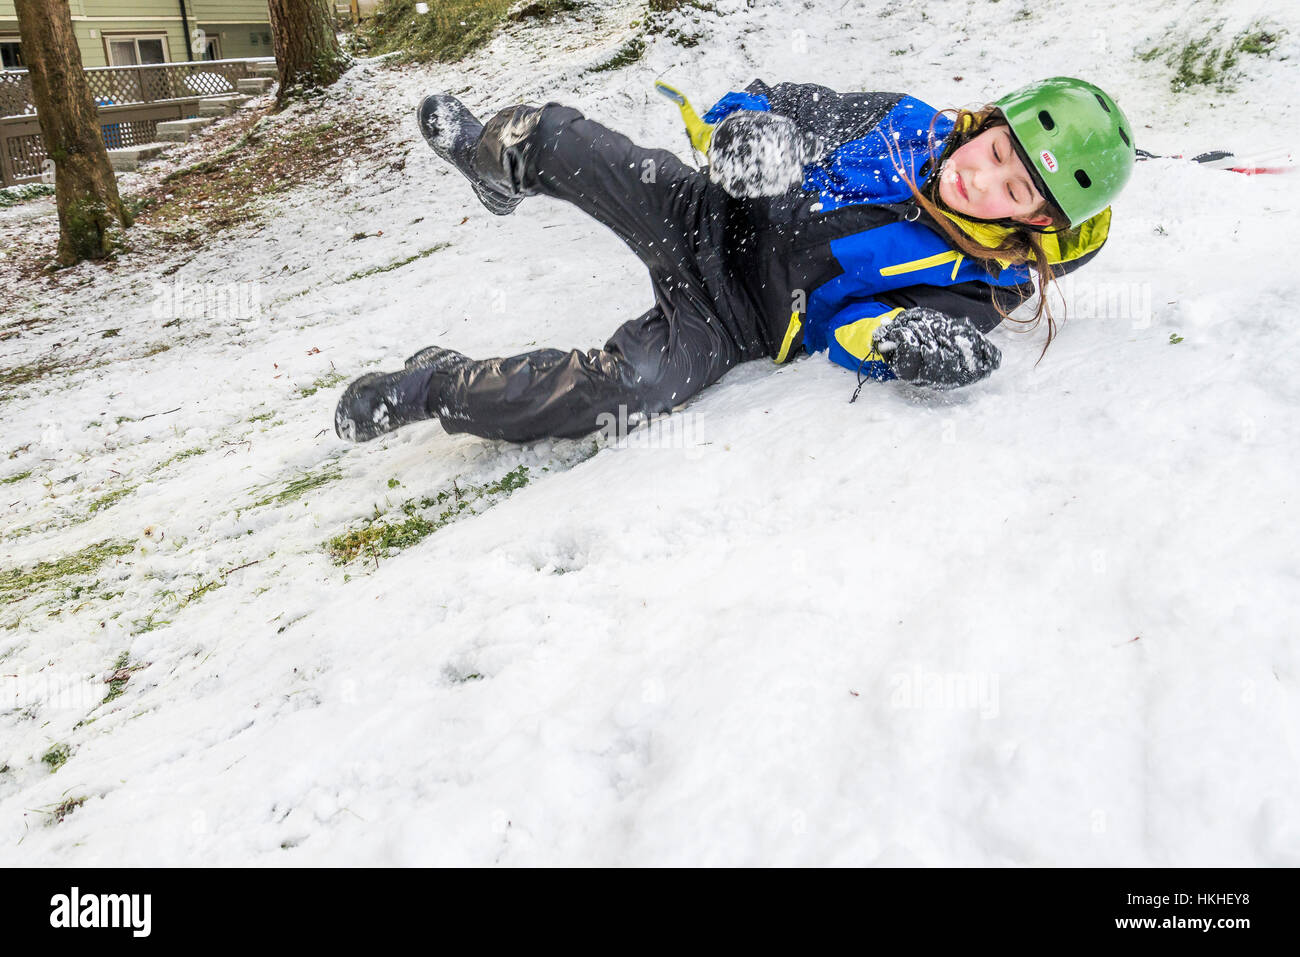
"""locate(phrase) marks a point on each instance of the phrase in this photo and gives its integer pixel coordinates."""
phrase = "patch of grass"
(104, 502)
(24, 192)
(15, 376)
(384, 537)
(629, 52)
(136, 205)
(514, 479)
(328, 381)
(377, 537)
(170, 604)
(262, 417)
(140, 626)
(450, 30)
(541, 9)
(1258, 43)
(18, 583)
(675, 29)
(300, 486)
(223, 189)
(15, 478)
(56, 757)
(181, 457)
(1209, 61)
(64, 809)
(110, 499)
(376, 270)
(199, 591)
(121, 675)
(1198, 63)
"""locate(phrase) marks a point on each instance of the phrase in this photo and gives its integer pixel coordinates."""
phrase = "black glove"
(752, 153)
(927, 347)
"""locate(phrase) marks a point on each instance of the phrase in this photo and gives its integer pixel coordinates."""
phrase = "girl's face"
(985, 179)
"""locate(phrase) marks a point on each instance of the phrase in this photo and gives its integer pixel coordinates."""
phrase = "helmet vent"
(1046, 119)
(1102, 102)
(1123, 136)
(1082, 177)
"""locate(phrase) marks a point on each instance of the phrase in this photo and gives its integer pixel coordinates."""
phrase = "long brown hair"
(1022, 245)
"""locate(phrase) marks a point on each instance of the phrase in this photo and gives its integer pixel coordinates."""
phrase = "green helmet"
(1074, 140)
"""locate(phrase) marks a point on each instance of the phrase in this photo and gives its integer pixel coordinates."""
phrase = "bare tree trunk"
(85, 189)
(306, 47)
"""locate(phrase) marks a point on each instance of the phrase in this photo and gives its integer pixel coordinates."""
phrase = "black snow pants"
(703, 321)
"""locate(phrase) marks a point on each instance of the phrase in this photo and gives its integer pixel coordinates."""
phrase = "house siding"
(236, 39)
(231, 20)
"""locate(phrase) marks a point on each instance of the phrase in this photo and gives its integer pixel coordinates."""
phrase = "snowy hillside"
(1049, 619)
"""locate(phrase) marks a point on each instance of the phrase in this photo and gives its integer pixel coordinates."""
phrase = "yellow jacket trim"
(791, 331)
(951, 256)
(855, 337)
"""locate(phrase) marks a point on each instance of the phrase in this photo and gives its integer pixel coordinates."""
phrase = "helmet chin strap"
(1015, 224)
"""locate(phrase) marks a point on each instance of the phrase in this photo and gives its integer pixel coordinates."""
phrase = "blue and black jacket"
(828, 262)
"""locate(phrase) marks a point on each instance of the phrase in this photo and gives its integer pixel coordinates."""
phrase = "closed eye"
(999, 161)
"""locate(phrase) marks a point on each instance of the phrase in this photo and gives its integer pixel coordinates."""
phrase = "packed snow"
(1047, 619)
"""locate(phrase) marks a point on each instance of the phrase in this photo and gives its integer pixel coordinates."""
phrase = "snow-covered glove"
(752, 153)
(930, 348)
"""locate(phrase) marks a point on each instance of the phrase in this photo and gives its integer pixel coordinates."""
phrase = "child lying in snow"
(869, 225)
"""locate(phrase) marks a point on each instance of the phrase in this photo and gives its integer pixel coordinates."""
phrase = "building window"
(135, 51)
(11, 55)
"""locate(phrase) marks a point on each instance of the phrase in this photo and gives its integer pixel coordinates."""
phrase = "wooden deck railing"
(132, 101)
(118, 85)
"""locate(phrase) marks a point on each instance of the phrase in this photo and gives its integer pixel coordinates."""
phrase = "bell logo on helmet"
(1049, 161)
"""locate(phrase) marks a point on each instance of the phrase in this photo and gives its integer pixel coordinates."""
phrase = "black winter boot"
(380, 402)
(454, 132)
